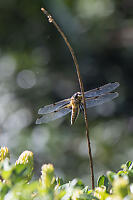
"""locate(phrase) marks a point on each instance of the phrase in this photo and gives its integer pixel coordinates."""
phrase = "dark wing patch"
(53, 107)
(102, 90)
(90, 102)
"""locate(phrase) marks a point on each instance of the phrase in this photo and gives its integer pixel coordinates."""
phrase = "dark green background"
(36, 69)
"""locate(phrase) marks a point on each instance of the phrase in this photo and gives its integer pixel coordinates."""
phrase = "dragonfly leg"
(81, 107)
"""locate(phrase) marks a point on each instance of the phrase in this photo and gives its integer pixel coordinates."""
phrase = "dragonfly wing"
(90, 102)
(53, 115)
(53, 107)
(102, 90)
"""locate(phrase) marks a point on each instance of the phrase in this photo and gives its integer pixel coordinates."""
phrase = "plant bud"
(26, 158)
(4, 153)
(47, 175)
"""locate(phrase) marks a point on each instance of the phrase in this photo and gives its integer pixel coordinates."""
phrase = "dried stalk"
(51, 20)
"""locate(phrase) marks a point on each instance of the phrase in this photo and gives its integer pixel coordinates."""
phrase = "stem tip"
(42, 9)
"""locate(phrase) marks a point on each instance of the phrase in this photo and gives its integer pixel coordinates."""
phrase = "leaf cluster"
(16, 183)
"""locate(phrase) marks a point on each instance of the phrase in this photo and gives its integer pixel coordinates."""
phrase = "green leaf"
(87, 197)
(13, 173)
(59, 181)
(86, 190)
(122, 173)
(129, 164)
(111, 176)
(5, 169)
(103, 181)
(18, 173)
(4, 188)
(76, 183)
(131, 173)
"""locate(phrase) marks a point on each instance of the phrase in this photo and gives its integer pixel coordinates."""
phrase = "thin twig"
(51, 20)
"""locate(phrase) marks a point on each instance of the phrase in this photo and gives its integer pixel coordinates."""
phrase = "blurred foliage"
(36, 69)
(13, 184)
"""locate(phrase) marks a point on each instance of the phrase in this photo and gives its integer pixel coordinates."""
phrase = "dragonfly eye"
(76, 95)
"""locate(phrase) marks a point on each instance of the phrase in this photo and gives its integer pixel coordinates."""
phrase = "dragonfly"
(74, 104)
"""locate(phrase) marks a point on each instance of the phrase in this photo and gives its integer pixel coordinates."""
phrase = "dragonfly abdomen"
(74, 114)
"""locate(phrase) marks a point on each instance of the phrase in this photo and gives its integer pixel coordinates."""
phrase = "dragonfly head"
(77, 96)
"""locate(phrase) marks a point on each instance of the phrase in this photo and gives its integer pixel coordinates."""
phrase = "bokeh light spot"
(7, 66)
(26, 79)
(97, 8)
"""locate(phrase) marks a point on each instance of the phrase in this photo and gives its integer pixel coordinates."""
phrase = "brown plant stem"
(51, 20)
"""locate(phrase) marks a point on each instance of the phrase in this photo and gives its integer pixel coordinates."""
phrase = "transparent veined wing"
(53, 107)
(90, 102)
(53, 115)
(102, 90)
